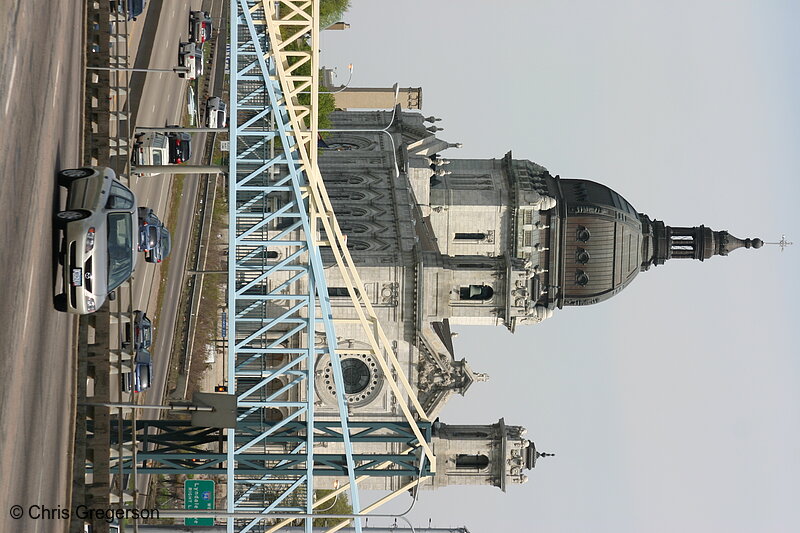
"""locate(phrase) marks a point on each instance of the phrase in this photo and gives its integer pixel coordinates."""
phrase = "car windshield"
(120, 257)
(186, 149)
(152, 236)
(120, 197)
(165, 242)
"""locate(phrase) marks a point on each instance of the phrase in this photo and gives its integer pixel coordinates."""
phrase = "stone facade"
(434, 246)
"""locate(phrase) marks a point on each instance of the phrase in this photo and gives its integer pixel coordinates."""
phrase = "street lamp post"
(340, 89)
(382, 130)
(343, 87)
(133, 69)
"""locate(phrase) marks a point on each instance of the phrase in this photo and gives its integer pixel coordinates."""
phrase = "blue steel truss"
(178, 447)
(280, 315)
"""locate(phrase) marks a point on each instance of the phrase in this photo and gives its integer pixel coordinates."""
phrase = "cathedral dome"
(602, 250)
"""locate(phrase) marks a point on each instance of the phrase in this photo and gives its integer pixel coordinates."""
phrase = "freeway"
(40, 105)
(163, 101)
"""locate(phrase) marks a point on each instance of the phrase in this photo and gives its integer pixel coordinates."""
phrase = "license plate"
(77, 277)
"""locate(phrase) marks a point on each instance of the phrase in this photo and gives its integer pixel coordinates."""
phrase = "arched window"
(274, 386)
(344, 194)
(475, 266)
(470, 236)
(354, 244)
(354, 228)
(272, 414)
(342, 179)
(340, 292)
(472, 462)
(471, 434)
(272, 254)
(476, 292)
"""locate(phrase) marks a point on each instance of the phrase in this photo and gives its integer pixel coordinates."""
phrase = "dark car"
(134, 7)
(139, 332)
(138, 379)
(154, 237)
(199, 26)
(180, 147)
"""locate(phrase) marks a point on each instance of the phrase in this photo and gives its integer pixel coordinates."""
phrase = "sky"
(674, 405)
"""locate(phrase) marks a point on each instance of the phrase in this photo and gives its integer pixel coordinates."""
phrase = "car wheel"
(67, 176)
(64, 217)
(60, 302)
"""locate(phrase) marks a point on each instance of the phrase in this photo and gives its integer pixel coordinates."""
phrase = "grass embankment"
(213, 294)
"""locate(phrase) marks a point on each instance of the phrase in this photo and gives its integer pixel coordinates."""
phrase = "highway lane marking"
(28, 304)
(55, 84)
(154, 109)
(11, 84)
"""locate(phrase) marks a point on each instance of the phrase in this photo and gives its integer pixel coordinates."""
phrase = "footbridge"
(281, 320)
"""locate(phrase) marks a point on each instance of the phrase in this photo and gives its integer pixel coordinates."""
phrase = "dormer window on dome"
(581, 256)
(581, 278)
(583, 234)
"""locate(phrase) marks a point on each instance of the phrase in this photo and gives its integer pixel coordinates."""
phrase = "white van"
(150, 149)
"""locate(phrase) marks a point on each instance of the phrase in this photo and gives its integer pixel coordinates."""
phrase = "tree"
(331, 11)
(339, 506)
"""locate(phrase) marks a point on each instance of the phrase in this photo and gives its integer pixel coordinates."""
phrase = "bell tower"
(494, 454)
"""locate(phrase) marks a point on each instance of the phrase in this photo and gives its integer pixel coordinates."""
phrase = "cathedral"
(441, 241)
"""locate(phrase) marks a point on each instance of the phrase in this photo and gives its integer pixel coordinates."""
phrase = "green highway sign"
(198, 494)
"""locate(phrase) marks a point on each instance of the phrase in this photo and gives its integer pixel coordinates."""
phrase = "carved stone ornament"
(538, 313)
(544, 202)
(389, 293)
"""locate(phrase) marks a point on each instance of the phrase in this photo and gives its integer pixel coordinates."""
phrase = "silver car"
(190, 55)
(99, 247)
(216, 113)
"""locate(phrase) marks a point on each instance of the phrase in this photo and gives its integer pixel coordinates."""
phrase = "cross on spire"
(783, 243)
